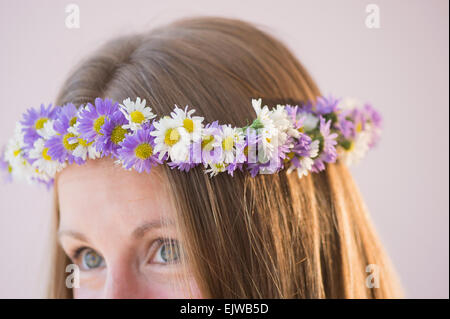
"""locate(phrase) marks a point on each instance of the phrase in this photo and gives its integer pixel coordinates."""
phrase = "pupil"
(92, 259)
(170, 252)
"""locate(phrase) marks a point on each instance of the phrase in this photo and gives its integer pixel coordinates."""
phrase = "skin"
(119, 215)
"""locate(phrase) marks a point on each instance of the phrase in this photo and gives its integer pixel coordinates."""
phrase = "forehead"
(101, 193)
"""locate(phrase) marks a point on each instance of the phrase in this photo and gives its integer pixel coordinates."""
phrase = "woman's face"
(117, 227)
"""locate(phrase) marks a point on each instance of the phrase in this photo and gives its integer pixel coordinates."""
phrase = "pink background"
(402, 68)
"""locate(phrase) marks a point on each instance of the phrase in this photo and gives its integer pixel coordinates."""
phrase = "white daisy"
(23, 171)
(20, 169)
(42, 161)
(192, 124)
(265, 128)
(15, 145)
(136, 113)
(47, 131)
(215, 168)
(310, 121)
(349, 103)
(358, 148)
(284, 125)
(84, 149)
(263, 114)
(229, 140)
(306, 162)
(172, 138)
(209, 149)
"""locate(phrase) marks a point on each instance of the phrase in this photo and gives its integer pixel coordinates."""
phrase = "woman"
(176, 231)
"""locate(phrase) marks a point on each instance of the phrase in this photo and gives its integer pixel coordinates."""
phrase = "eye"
(90, 259)
(168, 252)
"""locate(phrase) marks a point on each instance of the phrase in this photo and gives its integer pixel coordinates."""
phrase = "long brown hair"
(273, 236)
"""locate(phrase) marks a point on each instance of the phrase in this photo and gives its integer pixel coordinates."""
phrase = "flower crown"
(301, 138)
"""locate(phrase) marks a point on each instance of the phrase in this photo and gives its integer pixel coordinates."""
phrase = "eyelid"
(76, 254)
(153, 249)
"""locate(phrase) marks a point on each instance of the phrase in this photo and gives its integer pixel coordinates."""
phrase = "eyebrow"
(137, 233)
(141, 230)
(73, 234)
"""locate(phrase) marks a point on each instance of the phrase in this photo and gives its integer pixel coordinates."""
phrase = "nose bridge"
(122, 282)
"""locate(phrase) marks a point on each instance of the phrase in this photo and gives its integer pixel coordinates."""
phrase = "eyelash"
(161, 242)
(75, 255)
(77, 252)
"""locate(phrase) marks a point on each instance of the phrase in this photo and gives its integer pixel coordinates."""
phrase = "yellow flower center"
(228, 143)
(206, 142)
(351, 147)
(40, 123)
(359, 127)
(137, 117)
(45, 155)
(73, 121)
(246, 151)
(300, 129)
(289, 157)
(98, 123)
(16, 152)
(172, 136)
(118, 134)
(268, 140)
(10, 169)
(143, 151)
(188, 124)
(68, 146)
(220, 166)
(83, 143)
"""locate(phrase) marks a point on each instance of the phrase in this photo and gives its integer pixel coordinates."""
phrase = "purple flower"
(345, 123)
(374, 118)
(303, 153)
(358, 123)
(307, 107)
(34, 120)
(61, 146)
(232, 167)
(329, 141)
(209, 151)
(302, 146)
(326, 105)
(137, 151)
(182, 166)
(253, 150)
(48, 183)
(112, 134)
(285, 149)
(92, 118)
(239, 159)
(328, 153)
(67, 117)
(297, 116)
(262, 168)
